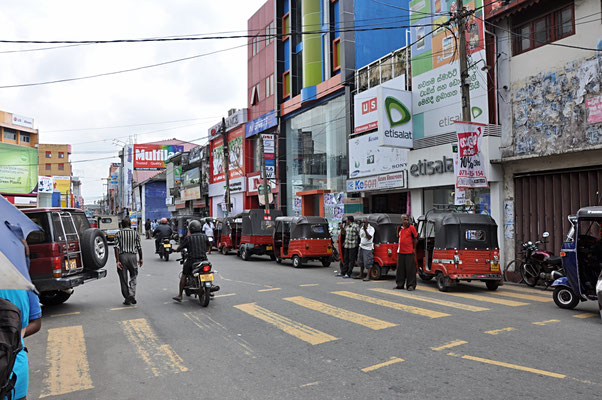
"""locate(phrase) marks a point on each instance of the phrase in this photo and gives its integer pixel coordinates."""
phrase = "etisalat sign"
(153, 156)
(387, 110)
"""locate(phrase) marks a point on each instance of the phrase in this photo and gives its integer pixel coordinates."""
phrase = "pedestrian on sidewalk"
(406, 263)
(147, 228)
(366, 253)
(127, 244)
(352, 240)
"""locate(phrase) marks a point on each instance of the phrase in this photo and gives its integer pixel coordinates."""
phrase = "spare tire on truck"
(94, 248)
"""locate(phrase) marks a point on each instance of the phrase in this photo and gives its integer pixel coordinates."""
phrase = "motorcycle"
(539, 265)
(200, 283)
(165, 249)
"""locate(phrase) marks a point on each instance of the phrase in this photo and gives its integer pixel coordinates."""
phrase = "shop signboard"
(128, 175)
(191, 193)
(365, 111)
(266, 121)
(18, 169)
(153, 156)
(254, 182)
(470, 171)
(436, 93)
(45, 184)
(269, 144)
(236, 164)
(237, 185)
(232, 121)
(367, 158)
(20, 120)
(195, 154)
(396, 180)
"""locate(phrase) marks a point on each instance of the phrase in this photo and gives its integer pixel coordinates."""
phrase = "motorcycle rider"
(162, 231)
(196, 244)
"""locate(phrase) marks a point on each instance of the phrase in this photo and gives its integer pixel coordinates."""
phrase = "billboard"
(470, 170)
(367, 158)
(128, 176)
(153, 156)
(235, 151)
(45, 184)
(232, 121)
(18, 169)
(436, 94)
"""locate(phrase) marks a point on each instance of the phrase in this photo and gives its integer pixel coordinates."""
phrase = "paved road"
(275, 332)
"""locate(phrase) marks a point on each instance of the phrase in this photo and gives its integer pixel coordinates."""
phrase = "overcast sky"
(197, 93)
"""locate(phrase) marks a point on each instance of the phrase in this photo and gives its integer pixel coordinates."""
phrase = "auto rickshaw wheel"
(224, 250)
(375, 272)
(492, 285)
(425, 277)
(244, 254)
(326, 262)
(441, 282)
(296, 261)
(564, 297)
(273, 257)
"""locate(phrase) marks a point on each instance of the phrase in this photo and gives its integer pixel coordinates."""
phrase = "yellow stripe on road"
(390, 304)
(309, 284)
(507, 293)
(224, 295)
(455, 343)
(269, 289)
(585, 315)
(65, 314)
(549, 321)
(430, 300)
(68, 369)
(160, 358)
(296, 329)
(528, 290)
(498, 331)
(340, 313)
(514, 366)
(393, 360)
(477, 297)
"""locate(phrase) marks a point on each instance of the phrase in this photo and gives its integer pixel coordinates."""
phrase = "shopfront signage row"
(396, 180)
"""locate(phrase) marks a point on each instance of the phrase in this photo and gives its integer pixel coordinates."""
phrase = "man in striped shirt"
(127, 244)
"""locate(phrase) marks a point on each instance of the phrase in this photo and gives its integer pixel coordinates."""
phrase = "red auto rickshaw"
(456, 246)
(257, 228)
(302, 239)
(227, 234)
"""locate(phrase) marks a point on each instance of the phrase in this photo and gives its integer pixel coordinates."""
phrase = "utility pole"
(264, 176)
(461, 15)
(226, 166)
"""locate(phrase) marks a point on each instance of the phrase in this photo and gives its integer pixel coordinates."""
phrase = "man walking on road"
(127, 244)
(366, 254)
(208, 231)
(147, 228)
(352, 240)
(406, 266)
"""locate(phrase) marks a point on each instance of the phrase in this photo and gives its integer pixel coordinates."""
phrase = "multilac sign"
(153, 156)
(388, 110)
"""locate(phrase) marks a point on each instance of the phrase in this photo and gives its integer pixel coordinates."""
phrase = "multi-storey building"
(54, 159)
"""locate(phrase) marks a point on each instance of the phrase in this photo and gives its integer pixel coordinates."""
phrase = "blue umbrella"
(14, 228)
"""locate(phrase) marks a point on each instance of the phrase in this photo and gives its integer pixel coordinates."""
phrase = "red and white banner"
(470, 172)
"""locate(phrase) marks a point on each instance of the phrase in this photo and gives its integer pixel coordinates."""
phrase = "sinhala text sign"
(470, 172)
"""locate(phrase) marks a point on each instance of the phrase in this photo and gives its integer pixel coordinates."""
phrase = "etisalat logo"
(391, 103)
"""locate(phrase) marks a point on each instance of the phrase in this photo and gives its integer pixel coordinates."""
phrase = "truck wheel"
(565, 298)
(492, 285)
(375, 272)
(93, 245)
(441, 282)
(54, 297)
(296, 261)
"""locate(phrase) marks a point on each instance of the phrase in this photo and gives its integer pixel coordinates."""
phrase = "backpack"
(10, 346)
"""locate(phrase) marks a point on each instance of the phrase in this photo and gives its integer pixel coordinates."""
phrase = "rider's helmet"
(163, 220)
(195, 226)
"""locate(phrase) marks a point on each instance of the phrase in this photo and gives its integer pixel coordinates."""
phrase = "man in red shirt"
(406, 265)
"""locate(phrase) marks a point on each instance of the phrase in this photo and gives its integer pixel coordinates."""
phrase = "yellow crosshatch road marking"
(455, 343)
(550, 321)
(269, 289)
(68, 370)
(471, 296)
(527, 290)
(585, 315)
(506, 293)
(498, 331)
(393, 360)
(159, 358)
(340, 313)
(514, 366)
(391, 304)
(123, 308)
(296, 329)
(431, 300)
(345, 283)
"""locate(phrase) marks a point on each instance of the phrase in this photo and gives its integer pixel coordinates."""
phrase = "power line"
(129, 126)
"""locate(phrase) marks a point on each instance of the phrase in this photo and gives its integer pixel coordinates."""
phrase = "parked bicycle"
(535, 265)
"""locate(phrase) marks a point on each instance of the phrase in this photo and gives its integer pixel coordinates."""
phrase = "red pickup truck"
(66, 253)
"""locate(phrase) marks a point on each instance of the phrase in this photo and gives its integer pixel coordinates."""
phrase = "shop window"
(269, 86)
(25, 138)
(286, 26)
(534, 30)
(336, 54)
(286, 84)
(48, 154)
(61, 154)
(255, 95)
(48, 167)
(10, 134)
(61, 167)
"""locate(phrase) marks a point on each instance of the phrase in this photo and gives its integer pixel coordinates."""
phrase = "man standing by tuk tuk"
(208, 231)
(366, 253)
(406, 264)
(352, 239)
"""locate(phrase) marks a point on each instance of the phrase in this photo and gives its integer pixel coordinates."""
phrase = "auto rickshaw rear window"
(475, 235)
(106, 220)
(318, 229)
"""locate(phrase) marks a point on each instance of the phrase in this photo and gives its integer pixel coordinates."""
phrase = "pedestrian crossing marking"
(160, 358)
(550, 321)
(522, 296)
(431, 300)
(455, 343)
(527, 290)
(514, 366)
(585, 315)
(269, 289)
(498, 331)
(393, 360)
(345, 315)
(471, 296)
(296, 329)
(391, 304)
(68, 369)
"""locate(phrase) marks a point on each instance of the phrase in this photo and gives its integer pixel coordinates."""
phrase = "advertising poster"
(18, 169)
(395, 118)
(235, 147)
(367, 157)
(62, 184)
(436, 91)
(153, 156)
(470, 172)
(45, 184)
(128, 175)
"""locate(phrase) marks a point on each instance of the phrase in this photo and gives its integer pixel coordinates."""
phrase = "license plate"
(207, 278)
(495, 267)
(268, 247)
(167, 245)
(71, 264)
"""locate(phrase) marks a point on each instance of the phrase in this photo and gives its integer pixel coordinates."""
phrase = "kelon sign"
(471, 169)
(153, 156)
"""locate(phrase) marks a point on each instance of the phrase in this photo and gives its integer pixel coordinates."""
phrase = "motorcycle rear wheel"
(513, 271)
(530, 274)
(166, 256)
(204, 296)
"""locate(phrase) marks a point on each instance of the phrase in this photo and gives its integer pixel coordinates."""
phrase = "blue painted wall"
(154, 201)
(372, 45)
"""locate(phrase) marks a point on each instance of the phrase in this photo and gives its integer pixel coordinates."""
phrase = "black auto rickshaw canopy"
(257, 223)
(225, 225)
(385, 226)
(460, 231)
(305, 227)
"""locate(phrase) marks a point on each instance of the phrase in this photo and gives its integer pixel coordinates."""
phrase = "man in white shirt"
(366, 255)
(208, 231)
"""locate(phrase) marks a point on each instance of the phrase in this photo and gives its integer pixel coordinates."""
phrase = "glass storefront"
(316, 150)
(445, 196)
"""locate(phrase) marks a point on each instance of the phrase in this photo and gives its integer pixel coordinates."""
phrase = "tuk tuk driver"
(196, 245)
(406, 264)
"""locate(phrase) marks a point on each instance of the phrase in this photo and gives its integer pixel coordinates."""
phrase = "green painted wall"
(312, 50)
